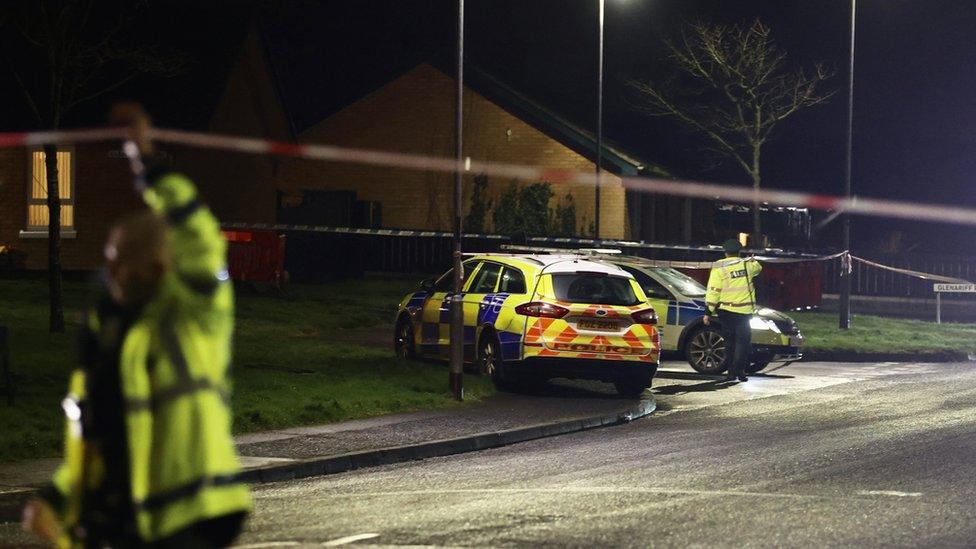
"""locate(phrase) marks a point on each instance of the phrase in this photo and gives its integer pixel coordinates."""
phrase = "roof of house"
(312, 89)
(571, 135)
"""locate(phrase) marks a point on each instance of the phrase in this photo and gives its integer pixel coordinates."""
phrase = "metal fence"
(872, 281)
(316, 253)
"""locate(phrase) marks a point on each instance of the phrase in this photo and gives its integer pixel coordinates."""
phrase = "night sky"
(914, 76)
(913, 92)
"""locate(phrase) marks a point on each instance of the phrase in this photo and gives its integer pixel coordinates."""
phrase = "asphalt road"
(822, 454)
(816, 454)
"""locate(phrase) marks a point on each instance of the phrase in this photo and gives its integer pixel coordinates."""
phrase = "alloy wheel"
(707, 351)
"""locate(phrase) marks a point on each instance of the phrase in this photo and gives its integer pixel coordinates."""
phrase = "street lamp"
(845, 273)
(599, 124)
(457, 310)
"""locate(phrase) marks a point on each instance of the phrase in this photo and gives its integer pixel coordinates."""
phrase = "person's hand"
(133, 116)
(39, 519)
(706, 320)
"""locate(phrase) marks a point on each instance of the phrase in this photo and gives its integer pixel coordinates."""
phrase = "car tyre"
(403, 339)
(490, 363)
(705, 350)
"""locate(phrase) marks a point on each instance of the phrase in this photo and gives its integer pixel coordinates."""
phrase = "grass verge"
(874, 334)
(291, 367)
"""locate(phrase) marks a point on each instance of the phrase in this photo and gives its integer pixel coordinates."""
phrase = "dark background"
(914, 73)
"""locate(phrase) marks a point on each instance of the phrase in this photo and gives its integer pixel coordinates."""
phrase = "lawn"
(874, 334)
(294, 362)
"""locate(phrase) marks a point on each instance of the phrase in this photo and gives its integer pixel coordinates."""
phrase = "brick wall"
(415, 114)
(103, 192)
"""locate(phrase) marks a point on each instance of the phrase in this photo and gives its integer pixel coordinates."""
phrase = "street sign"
(939, 289)
(955, 288)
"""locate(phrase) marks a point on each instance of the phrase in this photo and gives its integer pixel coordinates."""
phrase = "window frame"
(37, 231)
(643, 279)
(525, 285)
(477, 277)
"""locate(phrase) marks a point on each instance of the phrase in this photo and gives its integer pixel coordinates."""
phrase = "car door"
(435, 333)
(480, 291)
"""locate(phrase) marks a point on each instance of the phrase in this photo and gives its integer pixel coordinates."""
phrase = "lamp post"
(599, 124)
(457, 306)
(845, 274)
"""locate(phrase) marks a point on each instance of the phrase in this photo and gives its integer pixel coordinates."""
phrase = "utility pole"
(599, 125)
(845, 273)
(457, 305)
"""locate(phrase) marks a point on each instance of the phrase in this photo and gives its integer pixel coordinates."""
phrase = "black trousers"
(208, 534)
(738, 340)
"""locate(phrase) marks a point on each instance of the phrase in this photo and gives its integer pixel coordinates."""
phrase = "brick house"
(412, 112)
(95, 185)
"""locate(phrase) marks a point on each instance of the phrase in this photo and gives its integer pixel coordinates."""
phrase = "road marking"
(349, 539)
(893, 493)
(618, 490)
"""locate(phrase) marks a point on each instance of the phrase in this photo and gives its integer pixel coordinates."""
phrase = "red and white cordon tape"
(691, 189)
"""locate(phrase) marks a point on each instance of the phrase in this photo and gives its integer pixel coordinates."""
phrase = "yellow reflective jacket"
(730, 285)
(173, 374)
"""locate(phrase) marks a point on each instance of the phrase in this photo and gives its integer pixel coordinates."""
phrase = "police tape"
(613, 244)
(909, 272)
(352, 230)
(689, 189)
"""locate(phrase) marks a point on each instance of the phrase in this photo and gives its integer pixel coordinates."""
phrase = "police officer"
(149, 460)
(732, 297)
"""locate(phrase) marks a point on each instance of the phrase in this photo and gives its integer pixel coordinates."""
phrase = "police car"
(534, 317)
(680, 303)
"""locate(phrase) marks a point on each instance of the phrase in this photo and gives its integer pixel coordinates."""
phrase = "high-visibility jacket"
(183, 465)
(730, 285)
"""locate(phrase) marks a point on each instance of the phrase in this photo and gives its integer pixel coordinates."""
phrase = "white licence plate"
(598, 325)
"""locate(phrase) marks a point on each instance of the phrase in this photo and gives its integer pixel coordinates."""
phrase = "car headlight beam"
(760, 323)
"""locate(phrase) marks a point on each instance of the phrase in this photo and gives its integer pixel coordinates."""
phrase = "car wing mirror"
(655, 293)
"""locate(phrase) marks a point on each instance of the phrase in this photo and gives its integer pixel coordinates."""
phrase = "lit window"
(37, 214)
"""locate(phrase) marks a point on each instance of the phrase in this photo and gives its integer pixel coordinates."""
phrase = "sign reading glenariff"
(955, 288)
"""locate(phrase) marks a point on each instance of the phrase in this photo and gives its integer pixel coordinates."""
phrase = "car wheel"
(403, 341)
(631, 387)
(756, 367)
(490, 362)
(706, 350)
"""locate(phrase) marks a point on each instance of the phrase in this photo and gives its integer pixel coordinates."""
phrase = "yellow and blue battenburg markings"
(683, 314)
(492, 305)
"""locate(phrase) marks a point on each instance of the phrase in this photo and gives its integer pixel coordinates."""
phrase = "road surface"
(817, 454)
(823, 454)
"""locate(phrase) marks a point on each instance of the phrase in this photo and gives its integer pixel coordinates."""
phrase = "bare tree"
(73, 52)
(733, 86)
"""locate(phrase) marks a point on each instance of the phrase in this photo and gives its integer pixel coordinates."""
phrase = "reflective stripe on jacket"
(730, 285)
(173, 374)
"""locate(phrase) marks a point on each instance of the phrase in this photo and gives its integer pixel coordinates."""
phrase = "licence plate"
(599, 325)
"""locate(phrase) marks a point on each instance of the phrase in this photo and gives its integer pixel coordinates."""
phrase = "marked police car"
(680, 302)
(534, 317)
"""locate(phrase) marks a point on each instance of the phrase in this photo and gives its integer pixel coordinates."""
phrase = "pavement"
(301, 452)
(813, 454)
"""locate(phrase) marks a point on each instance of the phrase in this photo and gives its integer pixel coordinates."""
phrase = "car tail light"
(541, 309)
(645, 316)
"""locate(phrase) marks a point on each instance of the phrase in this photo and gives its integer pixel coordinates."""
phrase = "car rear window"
(596, 288)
